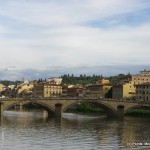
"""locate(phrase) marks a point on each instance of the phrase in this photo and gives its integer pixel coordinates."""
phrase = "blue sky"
(42, 38)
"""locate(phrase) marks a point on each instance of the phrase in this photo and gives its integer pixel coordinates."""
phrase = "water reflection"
(33, 130)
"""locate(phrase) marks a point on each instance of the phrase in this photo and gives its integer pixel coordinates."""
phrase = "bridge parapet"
(50, 104)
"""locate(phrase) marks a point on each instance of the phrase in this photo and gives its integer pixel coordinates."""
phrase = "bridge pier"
(58, 110)
(120, 112)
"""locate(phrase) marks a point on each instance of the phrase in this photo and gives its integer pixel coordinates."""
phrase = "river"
(34, 131)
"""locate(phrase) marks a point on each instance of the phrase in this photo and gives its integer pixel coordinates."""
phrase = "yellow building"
(123, 91)
(102, 81)
(143, 92)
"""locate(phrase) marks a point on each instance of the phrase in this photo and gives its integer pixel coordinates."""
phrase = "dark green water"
(34, 131)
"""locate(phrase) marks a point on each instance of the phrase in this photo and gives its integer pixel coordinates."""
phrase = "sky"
(48, 38)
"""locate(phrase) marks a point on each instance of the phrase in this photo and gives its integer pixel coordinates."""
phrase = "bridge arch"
(10, 105)
(49, 109)
(110, 111)
(136, 107)
(69, 106)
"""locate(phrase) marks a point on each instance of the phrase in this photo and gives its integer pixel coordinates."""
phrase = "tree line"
(84, 79)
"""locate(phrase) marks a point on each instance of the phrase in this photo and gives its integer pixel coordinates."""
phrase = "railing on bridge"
(76, 98)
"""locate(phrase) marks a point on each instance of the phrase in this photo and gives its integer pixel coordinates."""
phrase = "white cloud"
(35, 34)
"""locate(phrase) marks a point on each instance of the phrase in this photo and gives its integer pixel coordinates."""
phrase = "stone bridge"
(56, 106)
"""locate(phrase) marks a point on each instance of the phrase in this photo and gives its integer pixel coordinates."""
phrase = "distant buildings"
(130, 87)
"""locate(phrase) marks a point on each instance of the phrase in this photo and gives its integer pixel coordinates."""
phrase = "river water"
(34, 131)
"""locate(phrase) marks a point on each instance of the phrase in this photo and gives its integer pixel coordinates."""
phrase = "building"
(47, 89)
(2, 87)
(38, 90)
(64, 90)
(25, 89)
(98, 90)
(143, 91)
(103, 81)
(52, 90)
(74, 91)
(57, 81)
(142, 77)
(123, 91)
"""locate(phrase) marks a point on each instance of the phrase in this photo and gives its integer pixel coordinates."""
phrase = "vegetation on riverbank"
(139, 113)
(90, 108)
(86, 107)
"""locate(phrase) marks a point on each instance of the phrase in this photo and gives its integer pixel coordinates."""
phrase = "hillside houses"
(130, 87)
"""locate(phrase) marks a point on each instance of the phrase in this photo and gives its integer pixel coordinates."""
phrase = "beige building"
(142, 77)
(2, 87)
(57, 81)
(51, 90)
(123, 91)
(47, 89)
(143, 92)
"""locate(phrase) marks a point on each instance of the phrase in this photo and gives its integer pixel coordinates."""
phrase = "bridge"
(57, 105)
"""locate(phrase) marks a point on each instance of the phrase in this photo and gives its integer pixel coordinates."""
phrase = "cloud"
(58, 71)
(35, 34)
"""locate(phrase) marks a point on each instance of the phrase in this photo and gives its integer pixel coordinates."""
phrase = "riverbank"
(88, 108)
(139, 113)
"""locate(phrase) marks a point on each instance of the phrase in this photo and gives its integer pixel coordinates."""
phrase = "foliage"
(86, 107)
(82, 79)
(7, 82)
(139, 112)
(117, 78)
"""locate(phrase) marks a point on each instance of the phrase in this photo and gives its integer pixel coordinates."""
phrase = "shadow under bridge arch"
(110, 111)
(137, 107)
(50, 110)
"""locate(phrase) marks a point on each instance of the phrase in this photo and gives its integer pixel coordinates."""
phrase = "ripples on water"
(34, 131)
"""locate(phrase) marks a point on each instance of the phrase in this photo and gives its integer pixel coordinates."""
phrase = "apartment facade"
(143, 92)
(51, 90)
(142, 77)
(46, 89)
(98, 90)
(38, 90)
(123, 91)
